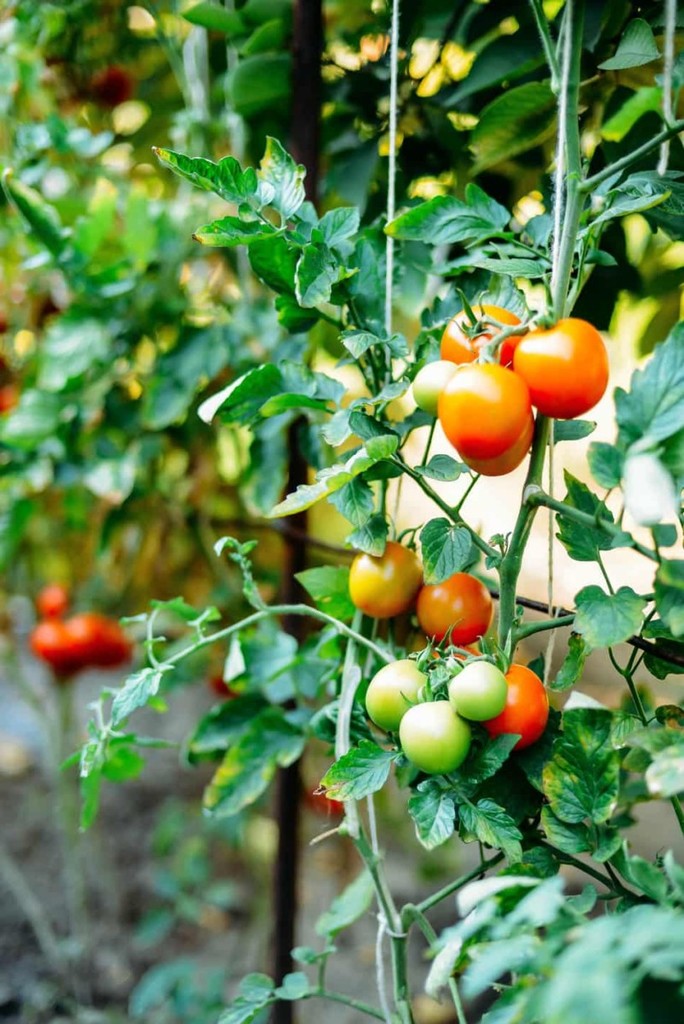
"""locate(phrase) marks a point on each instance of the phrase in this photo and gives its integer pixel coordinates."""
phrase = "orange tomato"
(508, 460)
(527, 708)
(385, 586)
(461, 606)
(484, 410)
(457, 347)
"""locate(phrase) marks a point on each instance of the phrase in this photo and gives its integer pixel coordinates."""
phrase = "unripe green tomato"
(434, 738)
(429, 383)
(392, 691)
(479, 691)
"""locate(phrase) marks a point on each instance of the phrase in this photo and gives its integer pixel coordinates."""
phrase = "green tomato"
(434, 738)
(429, 383)
(479, 691)
(392, 691)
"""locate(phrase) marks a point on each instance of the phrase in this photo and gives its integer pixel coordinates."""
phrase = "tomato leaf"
(228, 232)
(433, 811)
(355, 501)
(257, 992)
(573, 665)
(295, 986)
(446, 219)
(358, 773)
(339, 224)
(606, 463)
(604, 619)
(653, 407)
(222, 726)
(446, 549)
(636, 47)
(226, 178)
(581, 542)
(285, 178)
(669, 595)
(349, 906)
(328, 585)
(582, 778)
(271, 741)
(565, 837)
(492, 826)
(442, 467)
(136, 692)
(371, 537)
(317, 271)
(512, 123)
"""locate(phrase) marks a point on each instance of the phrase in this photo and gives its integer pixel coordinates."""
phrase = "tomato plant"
(385, 585)
(434, 738)
(460, 607)
(460, 346)
(479, 691)
(484, 411)
(565, 367)
(526, 710)
(392, 691)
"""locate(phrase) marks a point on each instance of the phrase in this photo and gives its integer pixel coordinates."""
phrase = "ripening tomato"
(479, 691)
(527, 708)
(508, 460)
(392, 691)
(484, 410)
(98, 641)
(429, 383)
(51, 641)
(434, 738)
(461, 606)
(321, 804)
(457, 347)
(385, 585)
(565, 368)
(52, 601)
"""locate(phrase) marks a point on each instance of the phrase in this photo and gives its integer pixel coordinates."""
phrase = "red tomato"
(457, 347)
(385, 586)
(52, 601)
(484, 410)
(97, 640)
(9, 398)
(461, 606)
(221, 688)
(51, 642)
(510, 459)
(527, 708)
(565, 368)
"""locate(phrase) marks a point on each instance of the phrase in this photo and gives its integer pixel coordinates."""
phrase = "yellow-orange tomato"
(527, 708)
(461, 606)
(508, 460)
(484, 410)
(457, 347)
(565, 368)
(386, 585)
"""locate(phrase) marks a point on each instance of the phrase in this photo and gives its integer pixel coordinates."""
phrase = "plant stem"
(462, 500)
(590, 184)
(530, 628)
(509, 570)
(458, 883)
(540, 497)
(547, 42)
(410, 915)
(567, 858)
(679, 811)
(428, 444)
(354, 1004)
(448, 510)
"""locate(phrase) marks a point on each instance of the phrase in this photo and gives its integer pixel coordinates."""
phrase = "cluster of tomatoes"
(486, 408)
(84, 640)
(435, 735)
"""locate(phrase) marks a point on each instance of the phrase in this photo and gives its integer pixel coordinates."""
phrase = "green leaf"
(348, 907)
(643, 101)
(568, 838)
(243, 399)
(446, 549)
(295, 986)
(492, 826)
(669, 595)
(269, 36)
(582, 778)
(328, 586)
(223, 725)
(446, 219)
(317, 271)
(136, 693)
(604, 619)
(665, 774)
(606, 463)
(250, 764)
(514, 122)
(573, 665)
(572, 430)
(275, 263)
(330, 480)
(113, 479)
(40, 216)
(358, 773)
(13, 522)
(285, 178)
(583, 543)
(442, 467)
(35, 419)
(355, 501)
(371, 537)
(70, 347)
(646, 876)
(256, 993)
(339, 224)
(226, 178)
(214, 17)
(486, 762)
(260, 83)
(636, 47)
(433, 811)
(231, 231)
(654, 406)
(358, 342)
